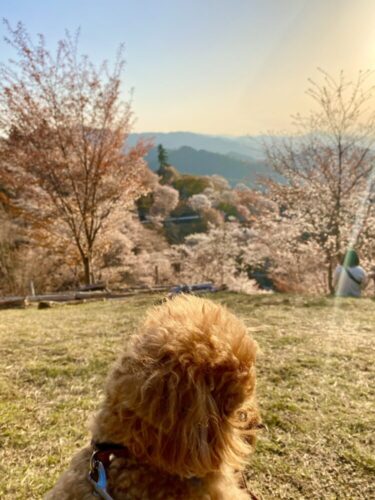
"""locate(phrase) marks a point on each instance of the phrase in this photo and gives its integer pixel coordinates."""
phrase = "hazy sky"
(230, 67)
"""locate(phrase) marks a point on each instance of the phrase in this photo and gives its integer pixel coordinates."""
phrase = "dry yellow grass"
(315, 384)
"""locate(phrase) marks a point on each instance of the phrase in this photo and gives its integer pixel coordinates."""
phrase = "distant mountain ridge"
(250, 147)
(238, 159)
(188, 160)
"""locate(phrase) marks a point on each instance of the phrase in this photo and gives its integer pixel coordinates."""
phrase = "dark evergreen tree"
(163, 160)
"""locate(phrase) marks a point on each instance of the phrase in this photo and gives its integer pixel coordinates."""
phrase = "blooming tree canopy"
(64, 127)
(327, 168)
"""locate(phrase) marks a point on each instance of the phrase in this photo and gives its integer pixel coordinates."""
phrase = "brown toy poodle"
(179, 416)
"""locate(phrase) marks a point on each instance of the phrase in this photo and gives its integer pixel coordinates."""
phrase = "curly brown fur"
(182, 400)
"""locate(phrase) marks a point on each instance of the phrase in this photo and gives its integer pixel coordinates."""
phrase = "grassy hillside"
(315, 389)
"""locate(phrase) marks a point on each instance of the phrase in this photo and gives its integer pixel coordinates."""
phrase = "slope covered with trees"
(201, 162)
(79, 204)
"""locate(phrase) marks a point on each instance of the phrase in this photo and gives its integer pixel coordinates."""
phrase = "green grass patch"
(316, 391)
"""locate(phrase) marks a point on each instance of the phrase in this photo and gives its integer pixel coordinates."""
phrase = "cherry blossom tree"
(165, 200)
(64, 126)
(327, 168)
(134, 254)
(221, 255)
(200, 202)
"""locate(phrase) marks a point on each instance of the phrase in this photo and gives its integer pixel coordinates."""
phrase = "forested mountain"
(190, 161)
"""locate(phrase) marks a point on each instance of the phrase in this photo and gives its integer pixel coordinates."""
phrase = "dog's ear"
(232, 386)
(152, 391)
(124, 382)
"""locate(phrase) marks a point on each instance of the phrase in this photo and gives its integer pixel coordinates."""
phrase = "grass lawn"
(315, 388)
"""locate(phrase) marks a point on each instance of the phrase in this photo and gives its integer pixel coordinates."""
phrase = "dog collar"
(106, 452)
(101, 458)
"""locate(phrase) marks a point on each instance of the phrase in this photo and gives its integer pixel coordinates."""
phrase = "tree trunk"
(330, 278)
(87, 269)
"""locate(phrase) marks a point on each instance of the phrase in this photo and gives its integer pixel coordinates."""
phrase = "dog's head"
(183, 396)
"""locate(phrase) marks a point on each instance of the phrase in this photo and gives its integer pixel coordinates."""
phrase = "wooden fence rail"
(78, 296)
